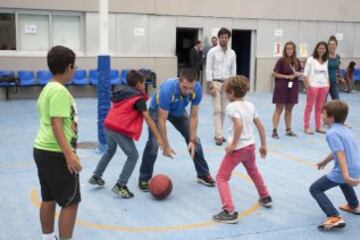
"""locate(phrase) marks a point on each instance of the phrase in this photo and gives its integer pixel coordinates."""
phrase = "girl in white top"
(316, 80)
(240, 148)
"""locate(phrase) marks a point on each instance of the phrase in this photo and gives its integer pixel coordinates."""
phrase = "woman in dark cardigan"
(286, 92)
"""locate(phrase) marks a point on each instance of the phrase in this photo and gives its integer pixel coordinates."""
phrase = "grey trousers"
(128, 146)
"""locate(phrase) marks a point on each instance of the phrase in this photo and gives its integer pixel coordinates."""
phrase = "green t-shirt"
(333, 66)
(56, 101)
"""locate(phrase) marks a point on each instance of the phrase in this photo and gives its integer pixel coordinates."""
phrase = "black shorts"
(57, 183)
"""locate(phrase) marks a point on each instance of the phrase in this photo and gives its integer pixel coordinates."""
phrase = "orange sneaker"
(345, 207)
(332, 222)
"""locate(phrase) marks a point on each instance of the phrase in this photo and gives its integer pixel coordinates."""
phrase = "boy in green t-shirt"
(54, 148)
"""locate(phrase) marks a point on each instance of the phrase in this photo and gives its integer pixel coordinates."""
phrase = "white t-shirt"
(318, 73)
(245, 111)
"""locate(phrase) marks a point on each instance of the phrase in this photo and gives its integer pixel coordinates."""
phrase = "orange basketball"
(160, 186)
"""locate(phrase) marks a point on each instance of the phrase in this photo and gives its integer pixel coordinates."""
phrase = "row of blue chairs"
(356, 74)
(81, 78)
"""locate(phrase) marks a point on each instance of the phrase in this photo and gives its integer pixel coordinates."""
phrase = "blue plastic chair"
(26, 78)
(357, 74)
(80, 78)
(93, 77)
(123, 76)
(6, 73)
(43, 77)
(114, 77)
(342, 73)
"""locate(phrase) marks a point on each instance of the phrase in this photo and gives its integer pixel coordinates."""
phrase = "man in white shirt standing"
(220, 64)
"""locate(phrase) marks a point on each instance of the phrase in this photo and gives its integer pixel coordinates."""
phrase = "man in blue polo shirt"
(169, 103)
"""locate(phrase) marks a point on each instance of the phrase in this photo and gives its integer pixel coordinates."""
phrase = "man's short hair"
(337, 109)
(189, 74)
(223, 31)
(59, 58)
(133, 77)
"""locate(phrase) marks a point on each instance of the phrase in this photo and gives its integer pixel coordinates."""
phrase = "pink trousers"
(246, 156)
(315, 96)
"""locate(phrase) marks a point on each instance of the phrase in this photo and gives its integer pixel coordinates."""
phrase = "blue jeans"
(323, 184)
(128, 146)
(182, 124)
(334, 91)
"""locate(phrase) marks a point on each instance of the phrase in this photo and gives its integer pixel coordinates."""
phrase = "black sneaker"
(122, 191)
(266, 202)
(144, 186)
(226, 217)
(207, 180)
(95, 180)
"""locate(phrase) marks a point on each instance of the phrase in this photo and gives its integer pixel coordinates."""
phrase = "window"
(7, 31)
(67, 31)
(33, 32)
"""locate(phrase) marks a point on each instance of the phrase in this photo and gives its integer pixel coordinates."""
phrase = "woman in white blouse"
(316, 80)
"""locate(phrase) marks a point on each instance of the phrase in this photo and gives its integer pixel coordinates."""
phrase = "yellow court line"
(292, 158)
(36, 202)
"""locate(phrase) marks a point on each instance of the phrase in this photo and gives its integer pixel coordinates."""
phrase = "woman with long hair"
(316, 80)
(334, 62)
(349, 78)
(286, 92)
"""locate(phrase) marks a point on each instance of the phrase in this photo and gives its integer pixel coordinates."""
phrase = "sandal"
(219, 141)
(275, 135)
(290, 133)
(320, 130)
(308, 131)
(347, 208)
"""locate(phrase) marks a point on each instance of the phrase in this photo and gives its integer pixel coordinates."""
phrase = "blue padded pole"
(104, 94)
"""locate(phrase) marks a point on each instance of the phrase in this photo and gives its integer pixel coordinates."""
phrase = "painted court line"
(36, 202)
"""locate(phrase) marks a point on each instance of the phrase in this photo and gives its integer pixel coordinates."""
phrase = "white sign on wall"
(140, 32)
(339, 36)
(277, 49)
(278, 32)
(30, 28)
(303, 50)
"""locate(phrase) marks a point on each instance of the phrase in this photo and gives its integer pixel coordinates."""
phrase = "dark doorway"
(185, 39)
(241, 43)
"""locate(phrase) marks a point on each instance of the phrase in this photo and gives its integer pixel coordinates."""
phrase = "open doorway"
(185, 39)
(241, 44)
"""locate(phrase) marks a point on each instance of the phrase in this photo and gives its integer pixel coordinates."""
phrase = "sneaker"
(226, 217)
(144, 186)
(207, 180)
(332, 222)
(345, 207)
(266, 202)
(122, 191)
(95, 180)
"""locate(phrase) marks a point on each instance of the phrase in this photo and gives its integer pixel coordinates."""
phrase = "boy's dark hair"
(333, 38)
(337, 109)
(59, 58)
(189, 74)
(316, 54)
(238, 85)
(223, 31)
(133, 77)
